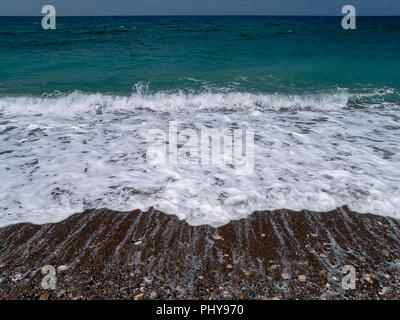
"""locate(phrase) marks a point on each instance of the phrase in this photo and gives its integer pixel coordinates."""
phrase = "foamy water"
(60, 155)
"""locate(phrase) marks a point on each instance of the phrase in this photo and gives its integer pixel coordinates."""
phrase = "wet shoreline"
(103, 254)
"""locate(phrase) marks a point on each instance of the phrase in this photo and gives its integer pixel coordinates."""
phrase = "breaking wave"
(78, 102)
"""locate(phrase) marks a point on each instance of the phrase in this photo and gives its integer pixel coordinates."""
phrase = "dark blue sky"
(198, 7)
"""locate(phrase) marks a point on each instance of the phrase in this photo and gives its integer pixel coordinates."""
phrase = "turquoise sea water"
(76, 104)
(257, 54)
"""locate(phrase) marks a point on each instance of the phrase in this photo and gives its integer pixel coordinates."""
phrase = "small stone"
(264, 298)
(327, 285)
(263, 235)
(397, 261)
(153, 295)
(62, 268)
(323, 296)
(386, 226)
(44, 296)
(247, 274)
(201, 277)
(16, 277)
(217, 237)
(276, 298)
(302, 277)
(385, 253)
(139, 296)
(60, 294)
(1, 280)
(314, 235)
(226, 293)
(138, 243)
(141, 289)
(285, 276)
(229, 266)
(147, 280)
(322, 255)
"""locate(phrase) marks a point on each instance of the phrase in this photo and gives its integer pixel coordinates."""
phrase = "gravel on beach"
(103, 254)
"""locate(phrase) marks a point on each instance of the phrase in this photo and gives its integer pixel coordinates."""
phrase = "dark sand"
(136, 255)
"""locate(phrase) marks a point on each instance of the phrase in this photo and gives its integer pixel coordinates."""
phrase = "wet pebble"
(61, 294)
(44, 296)
(139, 296)
(147, 280)
(16, 277)
(302, 277)
(285, 276)
(385, 253)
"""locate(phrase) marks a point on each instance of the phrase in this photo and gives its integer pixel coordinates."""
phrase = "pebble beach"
(270, 255)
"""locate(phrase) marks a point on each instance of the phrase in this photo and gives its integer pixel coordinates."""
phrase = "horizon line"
(196, 15)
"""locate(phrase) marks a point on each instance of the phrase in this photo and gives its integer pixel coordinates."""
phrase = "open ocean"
(76, 104)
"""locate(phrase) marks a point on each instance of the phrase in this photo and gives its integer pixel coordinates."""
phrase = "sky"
(198, 7)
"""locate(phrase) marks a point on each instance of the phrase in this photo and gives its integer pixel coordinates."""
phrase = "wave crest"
(78, 102)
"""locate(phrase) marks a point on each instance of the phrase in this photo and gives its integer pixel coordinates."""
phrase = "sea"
(78, 103)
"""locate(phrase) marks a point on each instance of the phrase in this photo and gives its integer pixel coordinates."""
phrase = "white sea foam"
(77, 102)
(88, 151)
